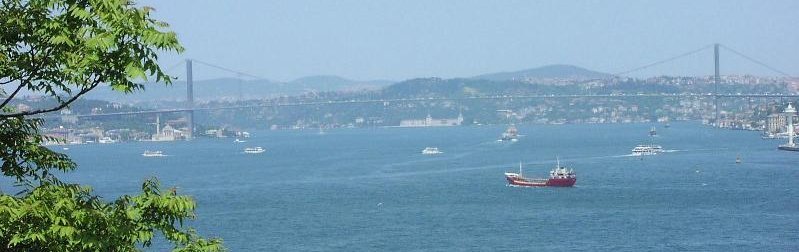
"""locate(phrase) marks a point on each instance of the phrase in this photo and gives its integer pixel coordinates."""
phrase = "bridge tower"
(189, 101)
(716, 80)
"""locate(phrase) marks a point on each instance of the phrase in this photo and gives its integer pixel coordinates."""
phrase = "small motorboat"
(148, 153)
(431, 151)
(254, 150)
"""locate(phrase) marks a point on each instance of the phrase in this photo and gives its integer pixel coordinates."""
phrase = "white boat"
(254, 150)
(431, 151)
(106, 140)
(511, 134)
(781, 135)
(239, 141)
(647, 149)
(148, 153)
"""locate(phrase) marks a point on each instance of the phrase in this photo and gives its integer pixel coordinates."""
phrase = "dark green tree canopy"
(64, 49)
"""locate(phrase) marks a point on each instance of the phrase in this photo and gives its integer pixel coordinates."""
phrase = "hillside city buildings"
(744, 113)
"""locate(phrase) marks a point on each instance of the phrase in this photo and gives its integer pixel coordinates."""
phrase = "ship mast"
(520, 168)
(558, 160)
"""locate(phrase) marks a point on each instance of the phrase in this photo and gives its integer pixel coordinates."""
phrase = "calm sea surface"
(371, 189)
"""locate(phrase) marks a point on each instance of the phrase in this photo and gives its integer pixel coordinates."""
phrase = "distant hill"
(436, 87)
(545, 72)
(234, 89)
(336, 83)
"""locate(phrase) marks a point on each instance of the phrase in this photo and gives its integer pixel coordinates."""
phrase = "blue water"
(371, 189)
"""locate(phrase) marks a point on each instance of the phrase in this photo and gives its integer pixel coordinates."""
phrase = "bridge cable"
(664, 60)
(230, 70)
(755, 61)
(171, 68)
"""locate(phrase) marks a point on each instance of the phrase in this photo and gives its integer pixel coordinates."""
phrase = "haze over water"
(371, 189)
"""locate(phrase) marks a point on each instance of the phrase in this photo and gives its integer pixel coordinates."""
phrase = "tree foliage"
(64, 49)
(70, 218)
(71, 46)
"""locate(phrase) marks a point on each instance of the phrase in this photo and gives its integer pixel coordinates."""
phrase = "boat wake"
(713, 149)
(428, 172)
(673, 151)
(518, 186)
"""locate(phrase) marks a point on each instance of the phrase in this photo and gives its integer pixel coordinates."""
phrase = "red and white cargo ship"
(558, 177)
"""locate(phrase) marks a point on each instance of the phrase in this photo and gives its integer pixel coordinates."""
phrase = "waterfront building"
(776, 123)
(430, 122)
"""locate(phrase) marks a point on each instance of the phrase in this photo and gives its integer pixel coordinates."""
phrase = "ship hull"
(561, 182)
(789, 148)
(567, 182)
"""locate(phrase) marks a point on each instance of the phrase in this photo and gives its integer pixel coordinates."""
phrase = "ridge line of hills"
(233, 89)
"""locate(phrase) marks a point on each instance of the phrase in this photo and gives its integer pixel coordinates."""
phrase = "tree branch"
(56, 108)
(30, 76)
(11, 96)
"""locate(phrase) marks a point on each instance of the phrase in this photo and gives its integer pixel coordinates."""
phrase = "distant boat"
(787, 147)
(646, 150)
(431, 151)
(254, 150)
(239, 141)
(148, 153)
(106, 140)
(781, 135)
(738, 159)
(510, 134)
(558, 177)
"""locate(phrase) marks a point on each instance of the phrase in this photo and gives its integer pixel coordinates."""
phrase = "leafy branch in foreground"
(64, 49)
(69, 218)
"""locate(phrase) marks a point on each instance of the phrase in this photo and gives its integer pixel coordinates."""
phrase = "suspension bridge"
(190, 106)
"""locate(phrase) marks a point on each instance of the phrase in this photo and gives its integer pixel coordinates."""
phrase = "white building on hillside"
(430, 122)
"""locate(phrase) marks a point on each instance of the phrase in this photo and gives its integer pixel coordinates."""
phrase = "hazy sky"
(396, 40)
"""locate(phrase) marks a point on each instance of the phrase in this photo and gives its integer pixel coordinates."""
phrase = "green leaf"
(102, 42)
(60, 40)
(80, 13)
(133, 71)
